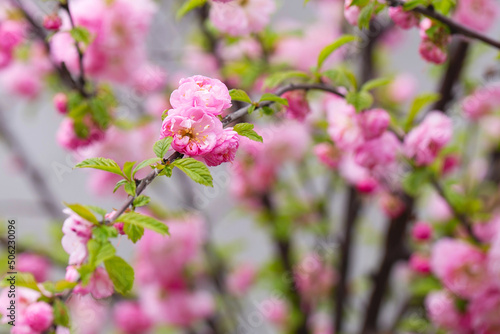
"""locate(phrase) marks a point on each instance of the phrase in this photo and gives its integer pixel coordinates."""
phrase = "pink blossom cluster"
(194, 125)
(165, 272)
(117, 51)
(404, 19)
(468, 273)
(12, 33)
(482, 102)
(314, 278)
(257, 166)
(30, 316)
(434, 41)
(476, 14)
(68, 138)
(241, 17)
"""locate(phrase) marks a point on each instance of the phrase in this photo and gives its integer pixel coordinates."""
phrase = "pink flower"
(433, 44)
(432, 53)
(52, 22)
(314, 279)
(77, 232)
(343, 126)
(130, 318)
(88, 315)
(392, 206)
(378, 152)
(12, 33)
(484, 310)
(239, 18)
(374, 122)
(404, 19)
(420, 264)
(441, 309)
(60, 101)
(482, 102)
(39, 316)
(476, 14)
(351, 13)
(23, 298)
(327, 154)
(298, 107)
(194, 132)
(275, 311)
(67, 138)
(421, 231)
(425, 141)
(460, 266)
(22, 79)
(241, 279)
(225, 148)
(367, 185)
(100, 285)
(403, 87)
(209, 94)
(438, 208)
(35, 264)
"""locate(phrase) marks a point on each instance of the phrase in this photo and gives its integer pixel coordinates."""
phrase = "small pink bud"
(421, 231)
(52, 22)
(60, 101)
(420, 264)
(367, 185)
(39, 316)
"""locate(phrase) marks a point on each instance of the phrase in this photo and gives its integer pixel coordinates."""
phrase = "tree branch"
(455, 27)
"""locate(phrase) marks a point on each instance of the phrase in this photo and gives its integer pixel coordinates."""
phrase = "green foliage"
(341, 77)
(25, 280)
(119, 184)
(127, 169)
(424, 285)
(103, 232)
(99, 113)
(278, 78)
(375, 83)
(360, 100)
(141, 201)
(412, 4)
(108, 165)
(81, 34)
(365, 16)
(162, 146)
(196, 170)
(61, 313)
(239, 95)
(166, 170)
(83, 212)
(418, 103)
(414, 181)
(120, 273)
(130, 187)
(273, 98)
(145, 163)
(328, 50)
(443, 6)
(246, 129)
(96, 209)
(188, 6)
(134, 218)
(133, 232)
(99, 252)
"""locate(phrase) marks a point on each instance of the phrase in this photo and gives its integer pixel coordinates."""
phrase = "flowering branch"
(455, 28)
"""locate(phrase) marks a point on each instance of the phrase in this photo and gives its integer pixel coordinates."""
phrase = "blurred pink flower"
(298, 106)
(403, 87)
(476, 14)
(404, 19)
(241, 279)
(130, 318)
(327, 154)
(421, 231)
(275, 311)
(39, 316)
(420, 264)
(440, 307)
(35, 264)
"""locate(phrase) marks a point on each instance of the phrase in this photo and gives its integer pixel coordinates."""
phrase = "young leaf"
(99, 113)
(80, 34)
(164, 114)
(167, 171)
(138, 219)
(360, 100)
(188, 6)
(246, 129)
(119, 184)
(365, 16)
(96, 209)
(273, 98)
(107, 165)
(418, 103)
(143, 164)
(61, 313)
(141, 201)
(120, 273)
(127, 169)
(99, 252)
(196, 170)
(25, 280)
(133, 232)
(239, 95)
(375, 83)
(341, 77)
(277, 78)
(83, 212)
(130, 187)
(328, 50)
(162, 146)
(412, 4)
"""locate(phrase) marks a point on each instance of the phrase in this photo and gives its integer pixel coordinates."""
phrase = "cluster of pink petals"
(99, 285)
(351, 13)
(241, 279)
(117, 51)
(35, 264)
(298, 106)
(425, 142)
(327, 154)
(482, 102)
(241, 17)
(193, 123)
(433, 48)
(404, 19)
(314, 279)
(421, 231)
(129, 317)
(476, 14)
(67, 138)
(11, 35)
(77, 232)
(403, 87)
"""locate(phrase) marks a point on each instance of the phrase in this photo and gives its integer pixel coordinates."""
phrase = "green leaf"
(61, 313)
(418, 103)
(167, 171)
(141, 201)
(96, 209)
(239, 95)
(162, 146)
(267, 110)
(138, 219)
(188, 6)
(99, 252)
(341, 77)
(25, 280)
(99, 113)
(251, 108)
(62, 285)
(375, 83)
(127, 169)
(412, 4)
(414, 181)
(277, 78)
(442, 6)
(273, 98)
(130, 187)
(103, 232)
(143, 164)
(328, 50)
(196, 170)
(120, 273)
(164, 115)
(359, 3)
(80, 34)
(107, 165)
(246, 129)
(365, 16)
(133, 232)
(360, 100)
(119, 184)
(83, 212)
